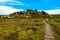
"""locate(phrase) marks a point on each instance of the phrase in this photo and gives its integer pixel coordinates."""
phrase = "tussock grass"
(21, 29)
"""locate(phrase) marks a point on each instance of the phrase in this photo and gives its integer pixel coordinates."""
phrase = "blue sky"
(41, 4)
(36, 4)
(16, 5)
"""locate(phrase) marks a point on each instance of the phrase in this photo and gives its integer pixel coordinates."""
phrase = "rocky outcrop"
(32, 11)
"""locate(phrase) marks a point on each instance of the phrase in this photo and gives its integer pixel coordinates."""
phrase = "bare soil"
(48, 34)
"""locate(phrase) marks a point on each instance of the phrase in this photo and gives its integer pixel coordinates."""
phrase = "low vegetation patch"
(55, 23)
(21, 29)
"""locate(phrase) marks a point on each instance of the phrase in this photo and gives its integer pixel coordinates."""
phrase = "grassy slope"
(21, 29)
(55, 22)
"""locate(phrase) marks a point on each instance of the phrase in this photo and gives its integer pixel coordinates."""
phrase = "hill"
(22, 25)
(28, 25)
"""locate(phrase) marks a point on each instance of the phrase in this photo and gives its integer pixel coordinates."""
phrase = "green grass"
(55, 23)
(21, 29)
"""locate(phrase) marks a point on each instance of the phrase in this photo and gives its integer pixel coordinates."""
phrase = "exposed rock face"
(18, 13)
(26, 14)
(44, 13)
(32, 11)
(21, 12)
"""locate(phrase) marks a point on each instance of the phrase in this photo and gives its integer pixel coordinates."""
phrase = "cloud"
(6, 10)
(12, 2)
(6, 1)
(54, 11)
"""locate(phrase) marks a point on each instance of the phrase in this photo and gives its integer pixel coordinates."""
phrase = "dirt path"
(48, 35)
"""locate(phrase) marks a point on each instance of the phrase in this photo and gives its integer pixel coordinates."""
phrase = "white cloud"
(2, 1)
(6, 1)
(6, 10)
(12, 2)
(54, 11)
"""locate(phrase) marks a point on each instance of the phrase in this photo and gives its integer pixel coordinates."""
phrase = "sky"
(10, 6)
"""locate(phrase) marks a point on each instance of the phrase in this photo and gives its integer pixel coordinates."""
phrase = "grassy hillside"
(55, 23)
(28, 25)
(22, 25)
(21, 28)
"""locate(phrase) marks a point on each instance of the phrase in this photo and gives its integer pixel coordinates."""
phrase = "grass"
(21, 29)
(55, 23)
